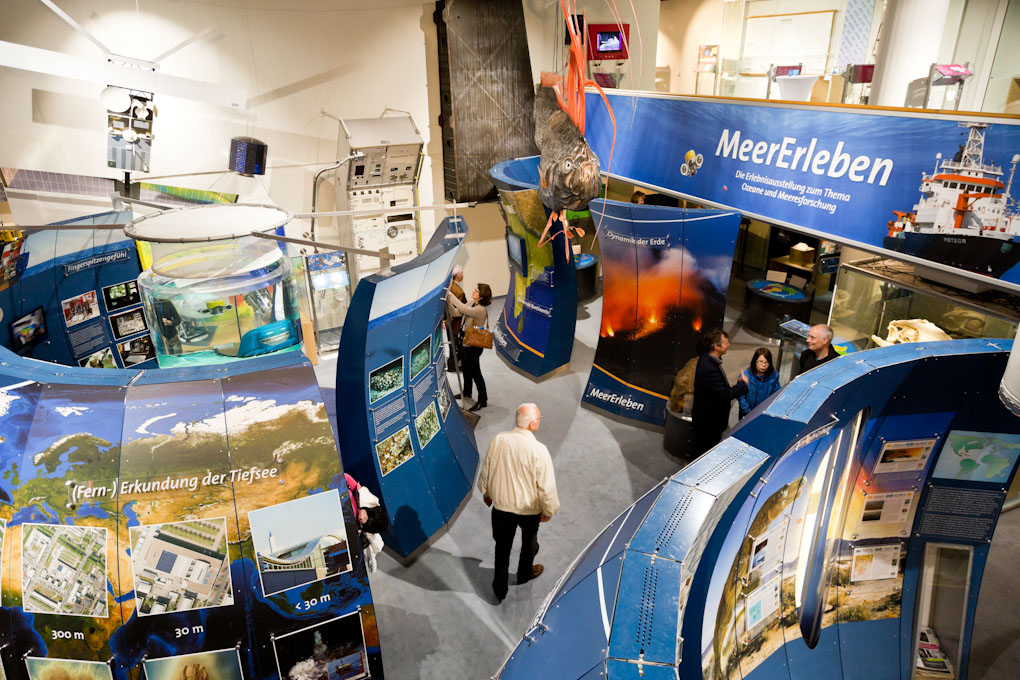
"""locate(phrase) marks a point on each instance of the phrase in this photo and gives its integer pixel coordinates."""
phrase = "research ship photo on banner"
(966, 217)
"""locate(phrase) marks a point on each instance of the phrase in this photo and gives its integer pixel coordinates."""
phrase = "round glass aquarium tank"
(216, 293)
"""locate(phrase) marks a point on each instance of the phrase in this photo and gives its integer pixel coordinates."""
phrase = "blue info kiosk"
(400, 429)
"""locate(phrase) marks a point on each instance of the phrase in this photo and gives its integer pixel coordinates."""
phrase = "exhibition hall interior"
(306, 308)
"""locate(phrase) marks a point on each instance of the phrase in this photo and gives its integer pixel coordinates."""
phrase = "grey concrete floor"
(995, 643)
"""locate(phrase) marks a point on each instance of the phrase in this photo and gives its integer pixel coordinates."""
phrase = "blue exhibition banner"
(928, 186)
(664, 277)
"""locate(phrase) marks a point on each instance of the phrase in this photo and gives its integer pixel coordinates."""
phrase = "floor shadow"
(439, 570)
(404, 637)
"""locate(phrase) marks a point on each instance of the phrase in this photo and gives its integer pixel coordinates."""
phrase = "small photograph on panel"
(903, 456)
(179, 566)
(420, 357)
(443, 397)
(300, 541)
(63, 570)
(394, 451)
(131, 322)
(427, 425)
(224, 664)
(437, 339)
(101, 359)
(65, 669)
(334, 650)
(136, 350)
(121, 295)
(80, 308)
(386, 379)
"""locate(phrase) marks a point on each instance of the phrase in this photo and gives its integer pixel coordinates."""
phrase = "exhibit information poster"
(903, 456)
(874, 563)
(887, 180)
(887, 508)
(664, 277)
(179, 523)
(761, 604)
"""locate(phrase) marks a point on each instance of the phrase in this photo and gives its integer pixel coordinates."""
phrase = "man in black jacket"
(713, 393)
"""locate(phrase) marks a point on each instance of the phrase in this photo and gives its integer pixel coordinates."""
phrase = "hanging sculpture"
(568, 169)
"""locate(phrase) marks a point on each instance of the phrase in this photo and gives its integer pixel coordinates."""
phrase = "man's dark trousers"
(504, 528)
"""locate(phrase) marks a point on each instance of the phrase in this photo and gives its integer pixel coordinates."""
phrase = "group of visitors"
(759, 381)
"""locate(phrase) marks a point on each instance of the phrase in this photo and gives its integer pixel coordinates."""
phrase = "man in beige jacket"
(518, 482)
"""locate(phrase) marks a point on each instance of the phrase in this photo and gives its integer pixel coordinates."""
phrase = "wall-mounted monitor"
(517, 252)
(608, 42)
(28, 330)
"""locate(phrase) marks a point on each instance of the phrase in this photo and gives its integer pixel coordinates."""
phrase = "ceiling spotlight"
(115, 99)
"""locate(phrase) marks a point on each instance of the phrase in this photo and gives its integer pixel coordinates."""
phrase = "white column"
(908, 45)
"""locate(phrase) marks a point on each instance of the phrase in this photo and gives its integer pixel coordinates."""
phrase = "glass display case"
(871, 295)
(329, 286)
(216, 291)
(203, 321)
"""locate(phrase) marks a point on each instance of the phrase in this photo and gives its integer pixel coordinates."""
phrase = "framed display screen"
(29, 330)
(516, 251)
(608, 41)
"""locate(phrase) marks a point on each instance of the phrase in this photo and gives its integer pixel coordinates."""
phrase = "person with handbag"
(476, 337)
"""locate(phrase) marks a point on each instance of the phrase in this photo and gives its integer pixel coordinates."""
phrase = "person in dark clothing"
(168, 319)
(713, 393)
(819, 348)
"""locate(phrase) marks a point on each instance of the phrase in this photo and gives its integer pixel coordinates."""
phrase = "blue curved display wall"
(76, 277)
(794, 549)
(400, 430)
(665, 273)
(535, 332)
(189, 521)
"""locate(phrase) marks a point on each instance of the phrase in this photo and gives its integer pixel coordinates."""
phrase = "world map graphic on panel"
(978, 456)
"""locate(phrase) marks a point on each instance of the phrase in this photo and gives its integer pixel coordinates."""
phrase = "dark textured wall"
(486, 92)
